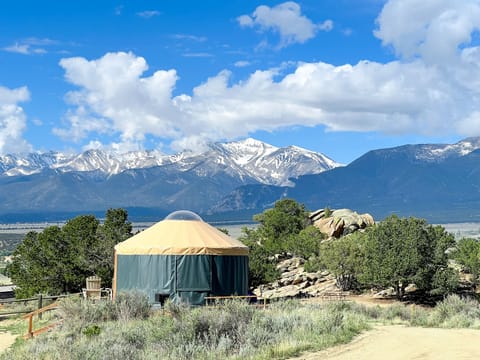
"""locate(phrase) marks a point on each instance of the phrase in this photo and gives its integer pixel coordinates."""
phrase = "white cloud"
(396, 97)
(18, 48)
(434, 30)
(197, 54)
(37, 122)
(147, 14)
(115, 98)
(24, 49)
(40, 41)
(415, 95)
(30, 46)
(194, 38)
(285, 19)
(245, 20)
(469, 123)
(118, 10)
(12, 120)
(327, 25)
(242, 63)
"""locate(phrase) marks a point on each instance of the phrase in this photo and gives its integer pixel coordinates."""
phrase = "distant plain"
(459, 230)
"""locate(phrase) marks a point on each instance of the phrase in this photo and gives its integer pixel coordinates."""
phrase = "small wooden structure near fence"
(94, 290)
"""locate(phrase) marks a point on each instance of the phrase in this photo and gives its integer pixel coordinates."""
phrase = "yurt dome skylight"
(183, 215)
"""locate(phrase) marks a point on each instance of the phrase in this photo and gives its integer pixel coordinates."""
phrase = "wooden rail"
(334, 296)
(39, 299)
(31, 333)
(233, 297)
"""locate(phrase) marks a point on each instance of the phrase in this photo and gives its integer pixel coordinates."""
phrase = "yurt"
(182, 258)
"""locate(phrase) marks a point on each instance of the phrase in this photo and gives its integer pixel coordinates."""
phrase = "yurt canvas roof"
(181, 234)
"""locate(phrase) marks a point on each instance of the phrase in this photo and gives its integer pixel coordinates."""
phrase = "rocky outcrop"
(296, 282)
(340, 222)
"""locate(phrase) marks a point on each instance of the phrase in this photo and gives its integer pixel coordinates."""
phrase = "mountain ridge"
(438, 182)
(249, 158)
(96, 180)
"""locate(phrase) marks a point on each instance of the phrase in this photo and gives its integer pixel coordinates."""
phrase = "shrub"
(131, 305)
(233, 330)
(82, 313)
(92, 330)
(455, 307)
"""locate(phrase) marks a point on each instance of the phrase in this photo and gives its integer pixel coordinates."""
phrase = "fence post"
(30, 326)
(40, 305)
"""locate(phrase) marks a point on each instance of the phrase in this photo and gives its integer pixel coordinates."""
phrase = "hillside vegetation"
(396, 252)
(235, 330)
(58, 259)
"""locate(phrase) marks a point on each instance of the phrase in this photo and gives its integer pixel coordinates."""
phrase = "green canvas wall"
(187, 278)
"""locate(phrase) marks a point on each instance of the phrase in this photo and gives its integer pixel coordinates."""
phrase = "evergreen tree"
(277, 232)
(344, 258)
(57, 260)
(400, 251)
(278, 224)
(467, 254)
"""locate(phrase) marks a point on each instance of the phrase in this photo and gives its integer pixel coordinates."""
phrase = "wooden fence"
(30, 332)
(251, 298)
(39, 303)
(30, 313)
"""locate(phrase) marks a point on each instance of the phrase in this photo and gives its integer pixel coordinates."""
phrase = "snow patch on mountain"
(439, 152)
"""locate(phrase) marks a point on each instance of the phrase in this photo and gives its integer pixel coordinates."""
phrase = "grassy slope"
(234, 331)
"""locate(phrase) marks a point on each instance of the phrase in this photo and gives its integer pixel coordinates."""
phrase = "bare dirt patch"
(6, 340)
(400, 343)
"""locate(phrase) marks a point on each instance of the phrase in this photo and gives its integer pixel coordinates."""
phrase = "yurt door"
(193, 274)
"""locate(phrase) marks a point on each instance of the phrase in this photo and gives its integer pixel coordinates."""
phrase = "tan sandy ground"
(6, 340)
(406, 343)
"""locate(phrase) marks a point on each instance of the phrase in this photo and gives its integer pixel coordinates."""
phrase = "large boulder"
(340, 222)
(330, 226)
(295, 281)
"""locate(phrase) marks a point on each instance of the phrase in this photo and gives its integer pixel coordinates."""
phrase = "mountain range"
(39, 184)
(439, 182)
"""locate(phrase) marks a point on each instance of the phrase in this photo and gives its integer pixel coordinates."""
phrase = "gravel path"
(405, 343)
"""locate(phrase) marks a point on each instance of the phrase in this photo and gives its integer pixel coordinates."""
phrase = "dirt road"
(406, 343)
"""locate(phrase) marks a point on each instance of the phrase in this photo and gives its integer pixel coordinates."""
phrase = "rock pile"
(296, 282)
(340, 222)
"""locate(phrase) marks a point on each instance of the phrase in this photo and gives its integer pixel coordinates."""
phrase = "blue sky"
(336, 76)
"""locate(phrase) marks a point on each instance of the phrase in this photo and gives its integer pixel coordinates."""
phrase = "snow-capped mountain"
(433, 153)
(95, 180)
(438, 182)
(247, 159)
(439, 152)
(90, 160)
(19, 164)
